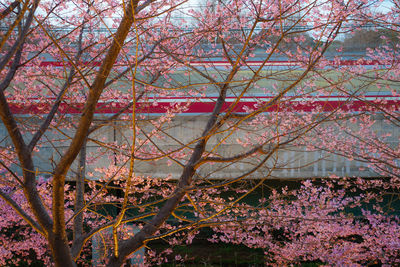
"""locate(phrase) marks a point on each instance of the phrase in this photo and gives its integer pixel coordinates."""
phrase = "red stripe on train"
(207, 107)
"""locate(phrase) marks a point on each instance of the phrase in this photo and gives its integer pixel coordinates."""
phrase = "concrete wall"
(290, 162)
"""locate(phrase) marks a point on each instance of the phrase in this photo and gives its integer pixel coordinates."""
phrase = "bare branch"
(7, 198)
(9, 9)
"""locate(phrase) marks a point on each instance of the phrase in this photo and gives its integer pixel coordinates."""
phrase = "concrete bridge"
(288, 162)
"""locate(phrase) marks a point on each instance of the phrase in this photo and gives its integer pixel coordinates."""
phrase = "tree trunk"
(61, 253)
(79, 193)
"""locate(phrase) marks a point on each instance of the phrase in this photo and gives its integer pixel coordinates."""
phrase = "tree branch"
(21, 37)
(22, 213)
(9, 9)
(234, 158)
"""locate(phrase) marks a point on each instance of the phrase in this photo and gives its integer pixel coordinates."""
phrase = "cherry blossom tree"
(74, 73)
